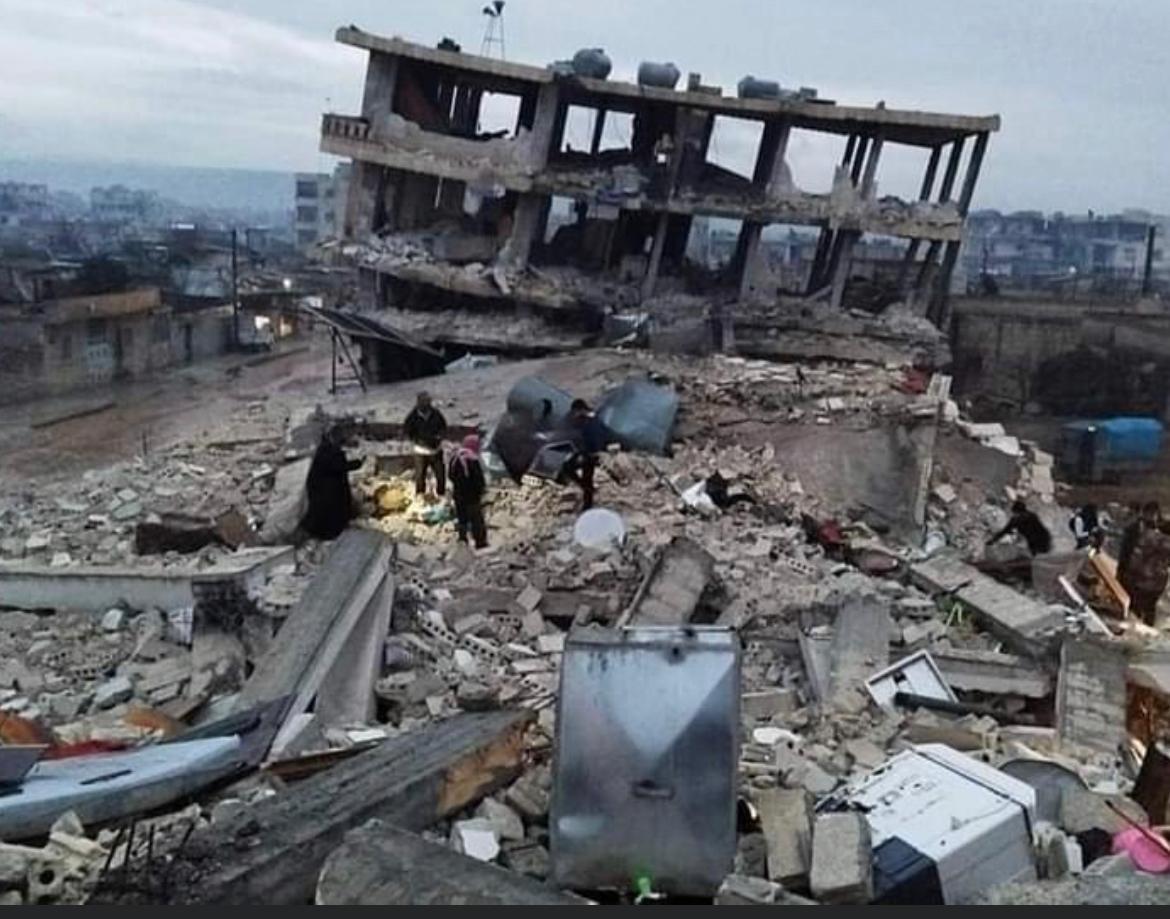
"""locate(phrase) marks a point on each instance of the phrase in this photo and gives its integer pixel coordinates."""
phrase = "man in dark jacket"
(468, 487)
(327, 487)
(1029, 526)
(590, 437)
(425, 428)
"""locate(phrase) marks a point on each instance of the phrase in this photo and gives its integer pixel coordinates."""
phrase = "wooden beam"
(380, 865)
(272, 853)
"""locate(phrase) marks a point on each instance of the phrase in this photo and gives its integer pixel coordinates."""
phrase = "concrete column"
(548, 125)
(870, 174)
(366, 187)
(651, 278)
(525, 226)
(598, 130)
(381, 83)
(948, 184)
(843, 267)
(752, 233)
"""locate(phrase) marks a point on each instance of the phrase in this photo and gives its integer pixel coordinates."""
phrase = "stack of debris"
(412, 703)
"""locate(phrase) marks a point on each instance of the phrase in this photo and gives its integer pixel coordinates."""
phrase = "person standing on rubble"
(425, 428)
(590, 438)
(467, 488)
(1025, 522)
(1141, 517)
(1086, 527)
(327, 488)
(1146, 557)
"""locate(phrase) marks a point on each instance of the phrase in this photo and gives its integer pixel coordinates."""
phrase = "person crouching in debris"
(425, 428)
(1086, 527)
(327, 488)
(590, 438)
(1029, 526)
(1147, 564)
(467, 488)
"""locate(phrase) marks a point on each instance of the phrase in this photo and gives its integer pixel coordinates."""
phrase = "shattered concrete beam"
(315, 646)
(671, 592)
(1025, 624)
(99, 588)
(272, 852)
(988, 672)
(379, 865)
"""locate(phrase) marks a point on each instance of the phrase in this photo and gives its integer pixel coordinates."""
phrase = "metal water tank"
(751, 88)
(593, 63)
(663, 76)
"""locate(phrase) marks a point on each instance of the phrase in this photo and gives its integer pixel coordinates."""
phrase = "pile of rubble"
(408, 659)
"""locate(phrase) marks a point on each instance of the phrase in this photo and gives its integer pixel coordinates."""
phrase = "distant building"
(21, 202)
(1028, 250)
(320, 205)
(121, 205)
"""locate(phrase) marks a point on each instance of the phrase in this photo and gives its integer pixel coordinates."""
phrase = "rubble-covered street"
(143, 609)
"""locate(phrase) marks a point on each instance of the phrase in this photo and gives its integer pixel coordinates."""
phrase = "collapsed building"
(458, 227)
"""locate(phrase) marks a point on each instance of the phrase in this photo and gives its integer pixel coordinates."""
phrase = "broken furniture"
(917, 675)
(946, 828)
(647, 748)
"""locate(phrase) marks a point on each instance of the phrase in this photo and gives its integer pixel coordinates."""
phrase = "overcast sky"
(1078, 83)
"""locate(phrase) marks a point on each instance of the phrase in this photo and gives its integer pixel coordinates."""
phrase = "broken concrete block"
(476, 838)
(528, 858)
(751, 855)
(113, 692)
(126, 511)
(865, 753)
(472, 696)
(114, 619)
(465, 662)
(842, 859)
(15, 862)
(529, 598)
(765, 705)
(226, 810)
(532, 624)
(528, 797)
(737, 890)
(1082, 810)
(945, 493)
(551, 644)
(470, 624)
(786, 820)
(507, 822)
(816, 780)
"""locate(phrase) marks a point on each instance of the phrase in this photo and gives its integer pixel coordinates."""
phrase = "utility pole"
(235, 291)
(1148, 277)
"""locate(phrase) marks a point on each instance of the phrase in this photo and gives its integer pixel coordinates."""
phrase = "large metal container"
(592, 62)
(647, 747)
(662, 76)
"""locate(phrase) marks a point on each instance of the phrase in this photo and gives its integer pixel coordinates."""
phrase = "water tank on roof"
(751, 88)
(592, 62)
(663, 76)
